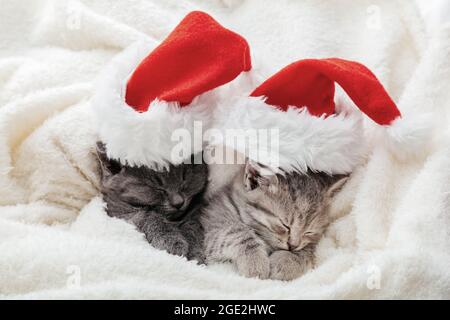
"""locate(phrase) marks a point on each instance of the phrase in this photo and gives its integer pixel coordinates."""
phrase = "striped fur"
(268, 225)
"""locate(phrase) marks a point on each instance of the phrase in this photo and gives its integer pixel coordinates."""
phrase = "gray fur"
(161, 204)
(269, 225)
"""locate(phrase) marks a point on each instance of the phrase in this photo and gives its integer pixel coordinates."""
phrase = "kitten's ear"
(108, 166)
(337, 186)
(259, 176)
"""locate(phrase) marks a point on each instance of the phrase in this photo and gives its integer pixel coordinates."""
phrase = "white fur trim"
(144, 138)
(333, 144)
(407, 137)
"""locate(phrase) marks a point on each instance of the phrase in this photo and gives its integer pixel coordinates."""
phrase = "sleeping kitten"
(162, 205)
(269, 225)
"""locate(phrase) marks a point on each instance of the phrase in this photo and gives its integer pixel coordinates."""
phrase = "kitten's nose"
(176, 201)
(293, 243)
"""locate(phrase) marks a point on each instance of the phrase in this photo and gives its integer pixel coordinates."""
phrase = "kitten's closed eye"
(138, 204)
(140, 199)
(311, 236)
(281, 229)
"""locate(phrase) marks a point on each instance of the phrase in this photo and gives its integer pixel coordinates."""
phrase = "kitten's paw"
(178, 247)
(285, 265)
(254, 265)
(200, 258)
(173, 245)
(196, 254)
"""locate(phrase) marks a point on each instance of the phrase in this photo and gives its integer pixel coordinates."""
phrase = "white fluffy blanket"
(391, 234)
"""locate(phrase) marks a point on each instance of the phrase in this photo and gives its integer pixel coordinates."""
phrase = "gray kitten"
(162, 204)
(268, 225)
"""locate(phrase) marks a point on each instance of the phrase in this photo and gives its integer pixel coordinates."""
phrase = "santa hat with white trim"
(145, 95)
(298, 102)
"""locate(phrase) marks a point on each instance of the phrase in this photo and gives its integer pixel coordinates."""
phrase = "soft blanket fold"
(391, 232)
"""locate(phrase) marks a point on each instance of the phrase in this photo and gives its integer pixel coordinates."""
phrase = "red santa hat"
(298, 103)
(145, 95)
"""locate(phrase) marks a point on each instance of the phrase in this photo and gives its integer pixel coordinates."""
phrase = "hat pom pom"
(407, 137)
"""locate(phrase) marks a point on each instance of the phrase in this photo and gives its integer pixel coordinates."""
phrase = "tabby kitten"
(268, 225)
(161, 204)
